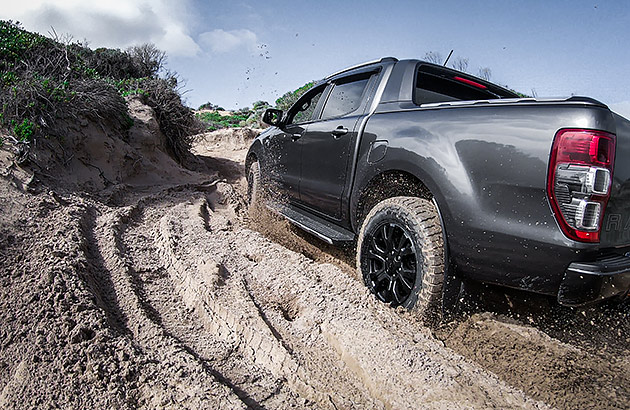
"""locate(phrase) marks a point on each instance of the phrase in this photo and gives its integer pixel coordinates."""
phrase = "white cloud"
(114, 23)
(221, 41)
(622, 108)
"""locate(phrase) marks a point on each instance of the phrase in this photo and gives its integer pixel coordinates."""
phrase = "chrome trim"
(580, 213)
(591, 273)
(592, 178)
(501, 101)
(311, 231)
(302, 226)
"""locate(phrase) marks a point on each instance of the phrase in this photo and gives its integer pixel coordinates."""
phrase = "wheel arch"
(384, 185)
(254, 154)
(251, 158)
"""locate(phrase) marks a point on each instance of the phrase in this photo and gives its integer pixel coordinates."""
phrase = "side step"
(324, 230)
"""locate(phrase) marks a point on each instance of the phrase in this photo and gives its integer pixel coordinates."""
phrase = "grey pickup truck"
(439, 176)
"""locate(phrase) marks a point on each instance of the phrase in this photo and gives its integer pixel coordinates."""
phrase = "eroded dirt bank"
(161, 291)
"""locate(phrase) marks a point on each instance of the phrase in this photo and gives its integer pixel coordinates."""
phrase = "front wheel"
(400, 254)
(254, 188)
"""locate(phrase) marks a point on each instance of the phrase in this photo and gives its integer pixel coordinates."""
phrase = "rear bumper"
(586, 282)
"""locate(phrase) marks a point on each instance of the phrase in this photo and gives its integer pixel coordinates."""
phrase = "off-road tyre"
(400, 254)
(254, 187)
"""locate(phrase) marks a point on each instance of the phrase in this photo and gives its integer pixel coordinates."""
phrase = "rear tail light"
(578, 183)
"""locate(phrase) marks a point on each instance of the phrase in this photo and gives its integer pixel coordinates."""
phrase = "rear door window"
(345, 98)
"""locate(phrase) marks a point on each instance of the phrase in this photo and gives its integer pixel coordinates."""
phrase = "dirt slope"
(142, 284)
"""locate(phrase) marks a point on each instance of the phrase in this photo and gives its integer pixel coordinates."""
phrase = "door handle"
(296, 137)
(339, 131)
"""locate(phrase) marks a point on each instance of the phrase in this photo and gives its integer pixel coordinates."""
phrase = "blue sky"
(233, 53)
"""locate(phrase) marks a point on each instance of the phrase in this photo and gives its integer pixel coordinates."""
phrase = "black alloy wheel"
(391, 263)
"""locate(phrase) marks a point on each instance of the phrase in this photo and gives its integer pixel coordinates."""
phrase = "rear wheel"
(400, 254)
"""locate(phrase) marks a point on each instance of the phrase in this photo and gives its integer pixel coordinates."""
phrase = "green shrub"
(45, 83)
(8, 78)
(23, 131)
(286, 101)
(213, 120)
(14, 41)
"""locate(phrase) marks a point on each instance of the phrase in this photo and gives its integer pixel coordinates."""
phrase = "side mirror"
(272, 117)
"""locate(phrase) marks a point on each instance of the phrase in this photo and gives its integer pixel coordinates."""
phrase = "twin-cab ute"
(439, 176)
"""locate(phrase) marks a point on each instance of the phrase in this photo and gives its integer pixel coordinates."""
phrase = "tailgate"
(616, 224)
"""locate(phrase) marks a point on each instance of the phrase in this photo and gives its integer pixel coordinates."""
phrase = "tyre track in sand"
(217, 291)
(172, 374)
(288, 310)
(177, 304)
